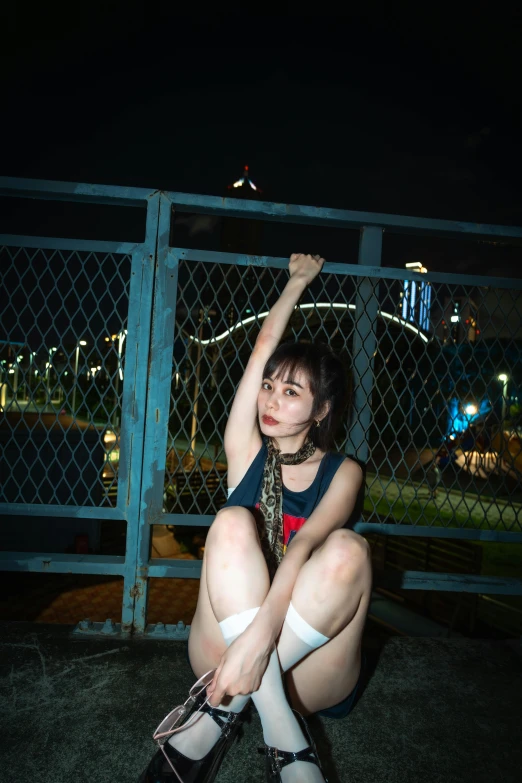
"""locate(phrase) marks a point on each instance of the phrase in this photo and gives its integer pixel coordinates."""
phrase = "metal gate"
(427, 354)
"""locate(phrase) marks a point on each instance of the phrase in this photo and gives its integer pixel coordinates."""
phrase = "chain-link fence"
(63, 346)
(444, 440)
(119, 364)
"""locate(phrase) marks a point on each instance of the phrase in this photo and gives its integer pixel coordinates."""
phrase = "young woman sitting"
(285, 587)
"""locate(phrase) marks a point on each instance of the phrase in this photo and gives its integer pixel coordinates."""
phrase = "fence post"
(364, 343)
(133, 414)
(159, 380)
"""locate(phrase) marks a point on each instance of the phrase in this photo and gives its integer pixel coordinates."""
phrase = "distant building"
(244, 185)
(459, 322)
(500, 310)
(242, 235)
(416, 299)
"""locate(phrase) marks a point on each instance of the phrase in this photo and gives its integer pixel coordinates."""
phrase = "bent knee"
(205, 650)
(232, 525)
(346, 555)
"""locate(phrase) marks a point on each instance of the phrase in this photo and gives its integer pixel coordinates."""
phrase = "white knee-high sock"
(196, 741)
(280, 726)
(276, 714)
(297, 639)
(231, 628)
(270, 699)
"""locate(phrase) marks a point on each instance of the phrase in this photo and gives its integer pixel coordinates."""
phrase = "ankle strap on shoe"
(224, 719)
(279, 759)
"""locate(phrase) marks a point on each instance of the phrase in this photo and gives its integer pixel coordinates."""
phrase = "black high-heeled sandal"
(276, 759)
(168, 765)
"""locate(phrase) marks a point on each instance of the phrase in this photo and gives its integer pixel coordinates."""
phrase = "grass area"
(498, 559)
(409, 503)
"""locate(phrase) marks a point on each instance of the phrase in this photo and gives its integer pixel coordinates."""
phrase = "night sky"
(396, 109)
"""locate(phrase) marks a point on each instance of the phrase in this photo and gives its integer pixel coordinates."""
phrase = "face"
(285, 406)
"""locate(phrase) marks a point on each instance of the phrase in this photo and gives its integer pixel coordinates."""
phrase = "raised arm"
(242, 437)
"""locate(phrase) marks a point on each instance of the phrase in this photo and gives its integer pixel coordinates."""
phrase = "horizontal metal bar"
(48, 510)
(407, 580)
(189, 520)
(340, 218)
(156, 631)
(457, 583)
(167, 632)
(362, 527)
(73, 191)
(260, 210)
(108, 628)
(55, 243)
(335, 268)
(190, 569)
(53, 563)
(233, 259)
(421, 531)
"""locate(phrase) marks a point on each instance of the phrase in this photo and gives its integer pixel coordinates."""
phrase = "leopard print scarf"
(271, 501)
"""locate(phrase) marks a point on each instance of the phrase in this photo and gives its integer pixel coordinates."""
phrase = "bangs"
(287, 368)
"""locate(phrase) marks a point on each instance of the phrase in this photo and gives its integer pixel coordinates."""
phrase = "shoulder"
(340, 498)
(347, 471)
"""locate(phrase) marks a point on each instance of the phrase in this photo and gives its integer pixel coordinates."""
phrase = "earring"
(317, 423)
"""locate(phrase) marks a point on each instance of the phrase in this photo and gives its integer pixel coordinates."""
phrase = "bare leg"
(234, 578)
(332, 593)
(344, 558)
(237, 580)
(237, 576)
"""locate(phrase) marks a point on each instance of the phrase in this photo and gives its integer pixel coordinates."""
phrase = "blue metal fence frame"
(365, 338)
(147, 381)
(143, 263)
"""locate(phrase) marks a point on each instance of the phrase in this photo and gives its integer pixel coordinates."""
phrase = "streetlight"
(48, 379)
(204, 317)
(15, 379)
(504, 378)
(31, 355)
(119, 375)
(82, 342)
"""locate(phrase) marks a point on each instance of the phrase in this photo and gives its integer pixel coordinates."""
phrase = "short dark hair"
(327, 378)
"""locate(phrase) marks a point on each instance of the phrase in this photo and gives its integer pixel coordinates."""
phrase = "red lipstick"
(269, 420)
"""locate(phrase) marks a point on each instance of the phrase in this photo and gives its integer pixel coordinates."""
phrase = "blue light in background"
(459, 421)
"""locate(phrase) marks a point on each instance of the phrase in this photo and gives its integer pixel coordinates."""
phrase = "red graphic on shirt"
(290, 525)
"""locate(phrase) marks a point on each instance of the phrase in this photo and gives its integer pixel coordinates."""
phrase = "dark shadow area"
(67, 219)
(59, 598)
(484, 255)
(66, 599)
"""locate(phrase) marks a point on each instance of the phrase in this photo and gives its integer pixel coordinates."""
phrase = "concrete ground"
(433, 710)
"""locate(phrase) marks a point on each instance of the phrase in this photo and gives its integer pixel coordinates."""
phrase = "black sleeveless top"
(297, 506)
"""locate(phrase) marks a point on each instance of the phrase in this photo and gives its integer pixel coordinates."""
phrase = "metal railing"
(131, 354)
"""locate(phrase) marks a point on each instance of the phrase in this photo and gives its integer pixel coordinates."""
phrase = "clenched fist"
(305, 267)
